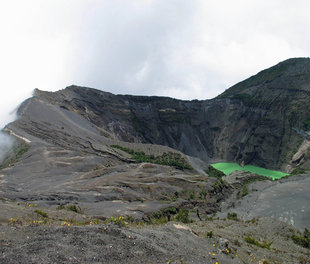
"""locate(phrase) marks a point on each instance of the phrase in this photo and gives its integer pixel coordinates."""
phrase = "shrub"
(253, 241)
(60, 207)
(163, 216)
(73, 208)
(41, 213)
(121, 221)
(303, 240)
(232, 216)
(298, 170)
(213, 172)
(245, 190)
(14, 156)
(171, 213)
(182, 216)
(210, 234)
(169, 159)
(203, 194)
(15, 221)
(191, 196)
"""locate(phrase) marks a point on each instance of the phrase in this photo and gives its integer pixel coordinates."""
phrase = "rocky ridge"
(262, 120)
(145, 158)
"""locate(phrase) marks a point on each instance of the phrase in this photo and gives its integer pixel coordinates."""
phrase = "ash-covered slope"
(262, 120)
(73, 165)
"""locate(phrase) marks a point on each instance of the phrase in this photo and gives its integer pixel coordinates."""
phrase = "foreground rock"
(286, 200)
(213, 241)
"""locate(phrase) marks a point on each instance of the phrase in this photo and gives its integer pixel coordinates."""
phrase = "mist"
(178, 48)
(8, 114)
(6, 144)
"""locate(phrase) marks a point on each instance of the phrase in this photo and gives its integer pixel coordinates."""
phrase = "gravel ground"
(170, 243)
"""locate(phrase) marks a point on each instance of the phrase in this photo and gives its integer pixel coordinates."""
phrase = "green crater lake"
(228, 168)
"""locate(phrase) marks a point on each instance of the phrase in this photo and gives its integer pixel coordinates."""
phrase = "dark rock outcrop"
(262, 120)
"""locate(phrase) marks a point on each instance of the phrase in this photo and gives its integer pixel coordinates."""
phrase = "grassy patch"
(267, 75)
(73, 208)
(214, 172)
(228, 168)
(169, 159)
(15, 155)
(245, 190)
(169, 214)
(232, 216)
(120, 220)
(70, 207)
(253, 241)
(61, 207)
(299, 170)
(210, 234)
(303, 240)
(182, 216)
(41, 213)
(203, 194)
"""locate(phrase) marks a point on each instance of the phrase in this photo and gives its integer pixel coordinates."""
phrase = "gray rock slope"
(65, 154)
(70, 160)
(263, 120)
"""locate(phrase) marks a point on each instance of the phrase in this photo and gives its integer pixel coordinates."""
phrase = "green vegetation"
(182, 216)
(71, 222)
(247, 98)
(306, 122)
(60, 207)
(218, 185)
(214, 172)
(169, 159)
(264, 76)
(228, 168)
(245, 190)
(41, 213)
(15, 155)
(121, 220)
(299, 170)
(253, 241)
(303, 240)
(72, 208)
(163, 216)
(203, 194)
(210, 234)
(15, 222)
(191, 195)
(169, 214)
(232, 216)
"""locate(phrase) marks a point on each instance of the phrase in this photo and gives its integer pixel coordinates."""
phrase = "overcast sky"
(185, 49)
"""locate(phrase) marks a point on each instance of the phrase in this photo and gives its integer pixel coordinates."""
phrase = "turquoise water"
(228, 168)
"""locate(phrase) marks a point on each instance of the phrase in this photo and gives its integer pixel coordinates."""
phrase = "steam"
(8, 114)
(6, 141)
(6, 144)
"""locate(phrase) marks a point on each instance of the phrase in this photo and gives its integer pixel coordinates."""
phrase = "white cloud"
(179, 48)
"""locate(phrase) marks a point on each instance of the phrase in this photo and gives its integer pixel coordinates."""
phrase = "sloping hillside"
(263, 120)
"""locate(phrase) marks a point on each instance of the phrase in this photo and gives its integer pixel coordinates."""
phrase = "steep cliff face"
(89, 148)
(278, 112)
(262, 120)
